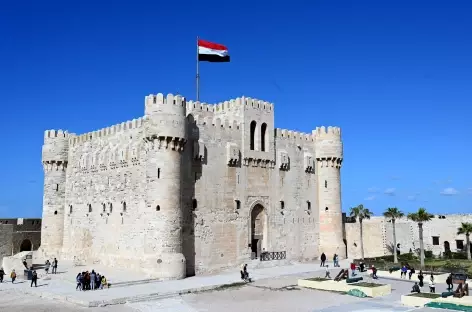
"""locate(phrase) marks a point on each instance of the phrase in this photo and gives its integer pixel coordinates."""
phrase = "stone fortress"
(192, 188)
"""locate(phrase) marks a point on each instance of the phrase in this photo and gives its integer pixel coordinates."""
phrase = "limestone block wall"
(107, 214)
(6, 240)
(297, 222)
(374, 238)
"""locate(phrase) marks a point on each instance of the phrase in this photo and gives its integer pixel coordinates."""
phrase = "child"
(432, 287)
(327, 272)
(13, 276)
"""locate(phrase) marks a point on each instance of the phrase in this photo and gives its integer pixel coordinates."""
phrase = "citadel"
(192, 188)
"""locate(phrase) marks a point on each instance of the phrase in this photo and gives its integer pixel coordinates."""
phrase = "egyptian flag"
(212, 52)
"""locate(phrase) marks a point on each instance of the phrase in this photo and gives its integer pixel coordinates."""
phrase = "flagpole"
(198, 76)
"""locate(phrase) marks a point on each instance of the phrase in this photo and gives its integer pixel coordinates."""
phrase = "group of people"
(91, 281)
(48, 265)
(335, 260)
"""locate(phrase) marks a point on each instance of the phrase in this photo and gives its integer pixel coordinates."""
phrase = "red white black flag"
(212, 52)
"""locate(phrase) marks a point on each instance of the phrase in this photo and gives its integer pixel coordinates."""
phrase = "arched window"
(124, 206)
(263, 136)
(111, 207)
(253, 133)
(104, 207)
(90, 207)
(158, 208)
(70, 208)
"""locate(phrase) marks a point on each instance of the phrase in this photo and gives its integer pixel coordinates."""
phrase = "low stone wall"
(342, 286)
(415, 301)
(438, 279)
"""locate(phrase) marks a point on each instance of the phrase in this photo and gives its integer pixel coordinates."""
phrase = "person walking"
(47, 265)
(2, 274)
(34, 279)
(421, 278)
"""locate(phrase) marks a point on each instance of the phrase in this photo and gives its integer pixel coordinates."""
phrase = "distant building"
(439, 235)
(18, 235)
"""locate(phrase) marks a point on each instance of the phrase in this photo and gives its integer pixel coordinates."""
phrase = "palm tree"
(361, 213)
(420, 217)
(466, 228)
(393, 214)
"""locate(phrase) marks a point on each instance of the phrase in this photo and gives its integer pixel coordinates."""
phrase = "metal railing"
(273, 255)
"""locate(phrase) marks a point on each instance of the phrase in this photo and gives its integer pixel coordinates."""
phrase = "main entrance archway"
(26, 245)
(258, 230)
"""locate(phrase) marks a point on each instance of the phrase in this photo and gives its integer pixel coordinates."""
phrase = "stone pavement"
(62, 286)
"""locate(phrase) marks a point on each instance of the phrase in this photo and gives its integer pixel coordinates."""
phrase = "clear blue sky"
(396, 77)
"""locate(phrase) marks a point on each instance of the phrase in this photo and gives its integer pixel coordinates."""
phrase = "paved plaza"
(274, 290)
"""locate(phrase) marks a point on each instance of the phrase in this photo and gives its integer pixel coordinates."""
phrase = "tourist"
(54, 266)
(336, 260)
(323, 259)
(362, 267)
(374, 272)
(432, 287)
(327, 272)
(421, 278)
(353, 269)
(403, 271)
(431, 278)
(47, 265)
(98, 281)
(2, 273)
(103, 282)
(449, 282)
(13, 276)
(34, 279)
(93, 279)
(79, 281)
(416, 288)
(412, 271)
(246, 274)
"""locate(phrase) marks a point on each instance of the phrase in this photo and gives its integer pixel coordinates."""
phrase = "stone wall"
(378, 237)
(16, 234)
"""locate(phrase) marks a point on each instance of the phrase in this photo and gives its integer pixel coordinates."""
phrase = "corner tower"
(329, 156)
(166, 135)
(55, 159)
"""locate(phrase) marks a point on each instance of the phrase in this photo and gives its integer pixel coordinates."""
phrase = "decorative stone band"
(257, 162)
(162, 142)
(334, 162)
(54, 165)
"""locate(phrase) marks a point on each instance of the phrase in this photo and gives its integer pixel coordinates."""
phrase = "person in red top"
(374, 272)
(353, 268)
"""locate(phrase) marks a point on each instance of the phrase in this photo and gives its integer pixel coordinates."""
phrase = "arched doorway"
(26, 245)
(447, 248)
(258, 230)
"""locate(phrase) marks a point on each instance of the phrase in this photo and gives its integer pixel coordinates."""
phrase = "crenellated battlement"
(55, 134)
(216, 123)
(294, 136)
(230, 105)
(329, 133)
(121, 127)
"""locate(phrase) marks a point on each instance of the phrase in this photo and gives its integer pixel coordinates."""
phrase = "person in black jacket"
(34, 279)
(323, 259)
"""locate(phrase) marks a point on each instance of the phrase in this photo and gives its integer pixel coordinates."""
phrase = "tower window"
(282, 204)
(252, 134)
(57, 187)
(90, 207)
(308, 205)
(435, 240)
(326, 209)
(70, 208)
(238, 204)
(263, 136)
(104, 207)
(194, 204)
(158, 208)
(124, 206)
(326, 184)
(111, 207)
(55, 212)
(158, 173)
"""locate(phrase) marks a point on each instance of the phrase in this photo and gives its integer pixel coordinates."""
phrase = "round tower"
(166, 135)
(55, 158)
(329, 156)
